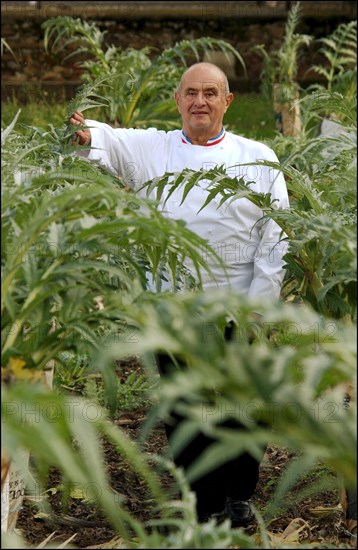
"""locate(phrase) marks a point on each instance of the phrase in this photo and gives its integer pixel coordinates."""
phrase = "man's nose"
(199, 99)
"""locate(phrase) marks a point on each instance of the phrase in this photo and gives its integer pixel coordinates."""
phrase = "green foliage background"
(76, 247)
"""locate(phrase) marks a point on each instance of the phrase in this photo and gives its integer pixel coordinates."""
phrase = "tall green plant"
(281, 66)
(339, 50)
(71, 234)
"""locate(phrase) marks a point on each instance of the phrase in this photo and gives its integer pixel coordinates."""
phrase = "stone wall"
(31, 70)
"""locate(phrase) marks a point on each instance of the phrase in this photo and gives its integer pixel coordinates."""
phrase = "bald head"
(212, 71)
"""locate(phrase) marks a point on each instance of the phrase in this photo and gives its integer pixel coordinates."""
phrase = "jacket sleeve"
(127, 152)
(104, 147)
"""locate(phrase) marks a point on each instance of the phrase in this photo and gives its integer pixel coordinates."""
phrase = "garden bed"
(317, 518)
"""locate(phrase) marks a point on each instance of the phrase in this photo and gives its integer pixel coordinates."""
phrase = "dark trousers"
(236, 478)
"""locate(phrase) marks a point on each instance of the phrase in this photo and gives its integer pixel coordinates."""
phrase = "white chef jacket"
(251, 249)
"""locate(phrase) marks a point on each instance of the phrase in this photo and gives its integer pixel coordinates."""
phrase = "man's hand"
(83, 136)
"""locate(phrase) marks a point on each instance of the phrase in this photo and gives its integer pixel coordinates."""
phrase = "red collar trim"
(213, 141)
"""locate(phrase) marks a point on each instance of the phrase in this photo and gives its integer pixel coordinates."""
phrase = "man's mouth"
(199, 113)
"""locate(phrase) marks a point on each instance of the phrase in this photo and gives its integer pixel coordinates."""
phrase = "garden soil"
(317, 518)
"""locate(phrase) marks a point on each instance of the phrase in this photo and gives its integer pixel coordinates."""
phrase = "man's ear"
(176, 97)
(229, 99)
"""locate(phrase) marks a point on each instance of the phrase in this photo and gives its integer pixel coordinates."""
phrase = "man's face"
(202, 101)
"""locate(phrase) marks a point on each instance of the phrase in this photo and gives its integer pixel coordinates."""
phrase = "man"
(248, 245)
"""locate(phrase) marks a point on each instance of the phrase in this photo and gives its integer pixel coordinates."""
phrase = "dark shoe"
(239, 512)
(204, 517)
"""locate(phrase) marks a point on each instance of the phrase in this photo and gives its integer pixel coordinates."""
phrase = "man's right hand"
(83, 136)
